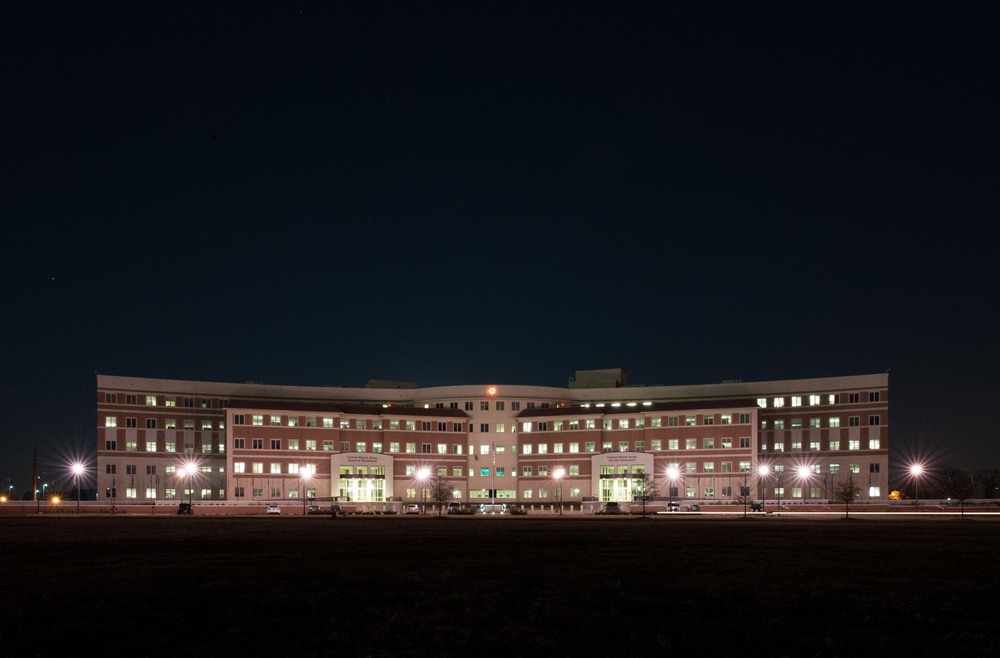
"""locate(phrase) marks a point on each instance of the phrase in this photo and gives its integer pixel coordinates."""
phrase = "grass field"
(423, 586)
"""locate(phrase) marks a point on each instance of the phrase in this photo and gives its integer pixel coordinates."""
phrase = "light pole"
(916, 470)
(762, 472)
(422, 476)
(777, 487)
(77, 472)
(186, 472)
(804, 474)
(673, 473)
(558, 475)
(306, 475)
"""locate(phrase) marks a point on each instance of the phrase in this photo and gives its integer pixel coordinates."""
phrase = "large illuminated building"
(593, 441)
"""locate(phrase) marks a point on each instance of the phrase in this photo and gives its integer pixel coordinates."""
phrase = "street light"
(777, 487)
(185, 473)
(306, 474)
(558, 475)
(916, 470)
(762, 472)
(422, 476)
(804, 474)
(672, 474)
(77, 469)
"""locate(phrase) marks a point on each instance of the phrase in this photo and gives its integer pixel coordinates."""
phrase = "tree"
(440, 492)
(961, 486)
(846, 492)
(645, 489)
(743, 496)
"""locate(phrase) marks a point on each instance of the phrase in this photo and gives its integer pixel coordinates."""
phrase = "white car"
(273, 509)
(412, 508)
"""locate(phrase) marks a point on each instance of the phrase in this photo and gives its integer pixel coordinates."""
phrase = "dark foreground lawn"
(308, 586)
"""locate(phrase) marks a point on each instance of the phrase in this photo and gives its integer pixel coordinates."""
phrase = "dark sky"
(471, 192)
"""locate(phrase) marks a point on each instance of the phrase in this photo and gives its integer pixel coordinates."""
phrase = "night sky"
(474, 192)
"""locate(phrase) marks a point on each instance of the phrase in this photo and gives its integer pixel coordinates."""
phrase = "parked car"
(412, 508)
(673, 506)
(273, 509)
(756, 507)
(493, 508)
(454, 507)
(314, 509)
(336, 510)
(613, 508)
(694, 508)
(185, 508)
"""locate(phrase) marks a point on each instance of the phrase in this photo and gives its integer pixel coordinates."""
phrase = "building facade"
(598, 439)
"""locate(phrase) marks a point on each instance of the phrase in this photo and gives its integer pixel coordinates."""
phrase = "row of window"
(708, 443)
(690, 467)
(130, 469)
(153, 400)
(276, 492)
(542, 426)
(630, 423)
(832, 444)
(169, 423)
(816, 399)
(814, 423)
(131, 445)
(348, 424)
(275, 468)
